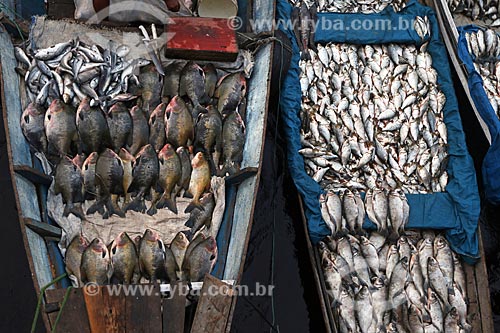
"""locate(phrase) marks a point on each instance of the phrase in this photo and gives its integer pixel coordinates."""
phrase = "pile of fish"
(73, 70)
(486, 11)
(350, 6)
(416, 284)
(126, 261)
(345, 213)
(187, 128)
(372, 117)
(484, 46)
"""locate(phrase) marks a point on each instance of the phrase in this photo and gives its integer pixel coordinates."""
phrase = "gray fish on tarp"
(208, 136)
(124, 259)
(170, 174)
(120, 125)
(60, 128)
(96, 263)
(211, 79)
(109, 180)
(230, 91)
(199, 182)
(183, 154)
(139, 136)
(32, 124)
(150, 88)
(179, 245)
(233, 142)
(145, 174)
(69, 183)
(89, 174)
(171, 81)
(201, 260)
(73, 258)
(192, 85)
(92, 128)
(201, 217)
(152, 256)
(157, 134)
(179, 125)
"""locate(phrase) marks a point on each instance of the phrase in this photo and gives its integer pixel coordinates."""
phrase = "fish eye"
(86, 167)
(27, 119)
(212, 257)
(103, 254)
(49, 116)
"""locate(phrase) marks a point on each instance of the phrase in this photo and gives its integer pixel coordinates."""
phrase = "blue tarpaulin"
(457, 209)
(491, 162)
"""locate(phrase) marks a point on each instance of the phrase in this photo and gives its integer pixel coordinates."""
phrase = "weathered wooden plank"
(474, 312)
(483, 290)
(143, 312)
(252, 155)
(263, 15)
(25, 191)
(174, 312)
(43, 229)
(318, 277)
(74, 314)
(106, 313)
(33, 175)
(213, 308)
(449, 34)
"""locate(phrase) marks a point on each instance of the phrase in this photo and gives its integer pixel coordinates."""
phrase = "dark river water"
(277, 253)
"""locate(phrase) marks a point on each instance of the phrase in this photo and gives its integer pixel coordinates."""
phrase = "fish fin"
(75, 210)
(305, 56)
(152, 210)
(194, 204)
(112, 210)
(137, 205)
(189, 223)
(168, 202)
(97, 206)
(187, 194)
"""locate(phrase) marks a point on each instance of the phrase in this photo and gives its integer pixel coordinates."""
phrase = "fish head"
(322, 246)
(158, 113)
(176, 105)
(207, 197)
(117, 108)
(432, 262)
(211, 245)
(136, 111)
(180, 240)
(198, 160)
(440, 243)
(90, 161)
(147, 151)
(365, 241)
(378, 282)
(166, 152)
(79, 160)
(126, 156)
(83, 107)
(100, 248)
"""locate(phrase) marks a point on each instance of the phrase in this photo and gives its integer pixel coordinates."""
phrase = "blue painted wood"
(255, 126)
(20, 155)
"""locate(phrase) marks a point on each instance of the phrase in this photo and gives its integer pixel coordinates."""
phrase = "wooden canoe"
(478, 293)
(107, 313)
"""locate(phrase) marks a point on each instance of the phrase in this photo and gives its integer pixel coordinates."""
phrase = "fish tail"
(194, 204)
(211, 163)
(426, 317)
(98, 206)
(451, 291)
(75, 210)
(169, 202)
(137, 205)
(394, 236)
(112, 210)
(197, 110)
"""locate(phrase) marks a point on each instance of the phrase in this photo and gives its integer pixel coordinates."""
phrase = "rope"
(40, 298)
(63, 303)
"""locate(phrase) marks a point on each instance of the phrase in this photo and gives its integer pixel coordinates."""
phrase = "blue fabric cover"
(456, 210)
(491, 162)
